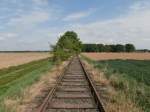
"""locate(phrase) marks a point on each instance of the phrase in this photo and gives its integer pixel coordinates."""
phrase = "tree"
(113, 48)
(89, 48)
(120, 48)
(66, 46)
(108, 48)
(101, 47)
(129, 48)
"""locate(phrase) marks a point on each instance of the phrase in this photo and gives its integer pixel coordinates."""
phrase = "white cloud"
(140, 6)
(34, 17)
(7, 35)
(1, 38)
(25, 31)
(27, 24)
(78, 15)
(28, 29)
(132, 27)
(40, 2)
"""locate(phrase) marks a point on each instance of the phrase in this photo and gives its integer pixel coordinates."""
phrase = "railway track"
(74, 92)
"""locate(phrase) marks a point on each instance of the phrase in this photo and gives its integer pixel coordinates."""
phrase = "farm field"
(13, 59)
(110, 56)
(14, 79)
(130, 78)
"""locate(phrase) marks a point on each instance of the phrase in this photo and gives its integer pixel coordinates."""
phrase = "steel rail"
(93, 89)
(44, 104)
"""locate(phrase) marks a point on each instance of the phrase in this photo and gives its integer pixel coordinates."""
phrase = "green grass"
(133, 79)
(138, 70)
(14, 79)
(130, 78)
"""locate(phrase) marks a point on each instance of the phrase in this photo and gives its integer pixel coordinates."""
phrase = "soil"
(14, 59)
(109, 56)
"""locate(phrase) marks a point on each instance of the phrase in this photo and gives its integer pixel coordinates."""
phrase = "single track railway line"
(73, 92)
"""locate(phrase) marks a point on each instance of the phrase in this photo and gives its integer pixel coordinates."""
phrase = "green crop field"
(130, 78)
(14, 79)
(133, 77)
(138, 70)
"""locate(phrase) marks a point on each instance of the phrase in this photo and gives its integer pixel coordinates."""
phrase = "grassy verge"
(14, 79)
(130, 78)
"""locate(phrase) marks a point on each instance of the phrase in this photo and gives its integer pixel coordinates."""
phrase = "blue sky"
(33, 24)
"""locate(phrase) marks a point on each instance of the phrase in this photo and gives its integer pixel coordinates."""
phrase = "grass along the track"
(14, 79)
(130, 78)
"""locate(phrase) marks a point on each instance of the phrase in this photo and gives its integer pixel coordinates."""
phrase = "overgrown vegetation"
(108, 48)
(14, 79)
(130, 78)
(67, 45)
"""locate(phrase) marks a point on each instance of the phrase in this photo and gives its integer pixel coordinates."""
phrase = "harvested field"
(110, 56)
(28, 99)
(14, 79)
(14, 59)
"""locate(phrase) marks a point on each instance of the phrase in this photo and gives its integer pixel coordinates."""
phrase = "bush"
(67, 45)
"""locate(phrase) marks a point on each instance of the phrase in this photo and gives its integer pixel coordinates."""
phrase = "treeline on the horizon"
(108, 48)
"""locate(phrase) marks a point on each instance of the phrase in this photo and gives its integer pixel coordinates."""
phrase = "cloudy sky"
(34, 24)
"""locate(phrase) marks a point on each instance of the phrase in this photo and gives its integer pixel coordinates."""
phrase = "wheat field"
(14, 59)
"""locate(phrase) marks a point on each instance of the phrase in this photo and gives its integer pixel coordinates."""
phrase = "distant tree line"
(108, 48)
(143, 50)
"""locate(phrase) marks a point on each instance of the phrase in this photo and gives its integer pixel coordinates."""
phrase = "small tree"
(129, 48)
(67, 45)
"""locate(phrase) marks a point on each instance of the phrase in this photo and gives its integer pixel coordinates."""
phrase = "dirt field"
(13, 59)
(107, 56)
